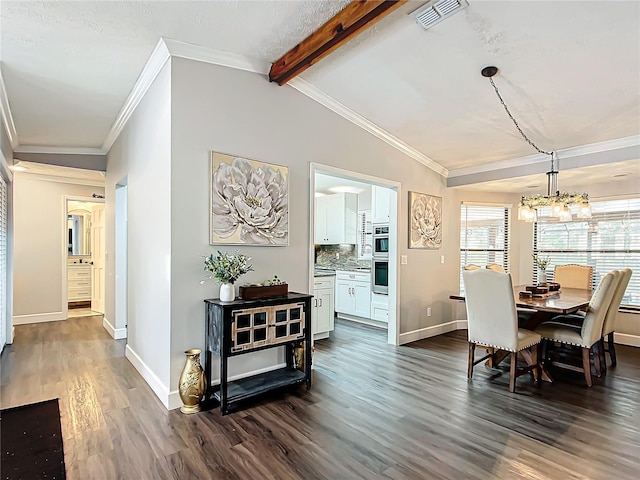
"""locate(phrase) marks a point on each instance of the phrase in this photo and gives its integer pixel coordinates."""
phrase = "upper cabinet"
(380, 199)
(336, 219)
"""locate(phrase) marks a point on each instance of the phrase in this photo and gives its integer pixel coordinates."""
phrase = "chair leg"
(545, 344)
(472, 347)
(535, 359)
(596, 359)
(586, 365)
(612, 350)
(512, 374)
(602, 357)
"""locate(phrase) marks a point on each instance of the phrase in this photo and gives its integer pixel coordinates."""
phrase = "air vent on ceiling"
(433, 12)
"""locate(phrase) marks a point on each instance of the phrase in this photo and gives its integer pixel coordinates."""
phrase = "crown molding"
(59, 150)
(167, 48)
(152, 68)
(61, 179)
(199, 53)
(563, 154)
(322, 98)
(7, 117)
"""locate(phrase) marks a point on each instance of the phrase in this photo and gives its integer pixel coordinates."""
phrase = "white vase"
(542, 277)
(227, 292)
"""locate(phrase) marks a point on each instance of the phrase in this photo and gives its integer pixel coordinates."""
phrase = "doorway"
(84, 259)
(361, 262)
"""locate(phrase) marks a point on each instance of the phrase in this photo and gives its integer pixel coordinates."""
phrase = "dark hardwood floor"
(375, 411)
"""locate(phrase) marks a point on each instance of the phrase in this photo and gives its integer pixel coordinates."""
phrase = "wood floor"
(375, 412)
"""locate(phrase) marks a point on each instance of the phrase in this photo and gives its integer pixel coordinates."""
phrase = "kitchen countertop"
(319, 271)
(324, 273)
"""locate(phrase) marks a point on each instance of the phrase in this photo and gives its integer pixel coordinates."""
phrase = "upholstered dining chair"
(612, 314)
(493, 321)
(471, 266)
(560, 328)
(573, 276)
(495, 267)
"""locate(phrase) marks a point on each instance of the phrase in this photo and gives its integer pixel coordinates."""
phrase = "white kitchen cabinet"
(380, 307)
(353, 293)
(336, 219)
(322, 321)
(380, 199)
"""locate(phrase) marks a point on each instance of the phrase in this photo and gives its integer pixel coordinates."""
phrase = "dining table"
(543, 307)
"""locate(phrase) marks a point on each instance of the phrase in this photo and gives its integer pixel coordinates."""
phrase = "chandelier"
(559, 203)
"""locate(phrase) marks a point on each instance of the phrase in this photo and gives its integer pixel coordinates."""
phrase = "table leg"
(527, 357)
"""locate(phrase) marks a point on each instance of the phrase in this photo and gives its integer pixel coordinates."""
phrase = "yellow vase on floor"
(192, 383)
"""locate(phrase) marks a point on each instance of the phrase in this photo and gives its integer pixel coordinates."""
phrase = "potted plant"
(227, 268)
(542, 265)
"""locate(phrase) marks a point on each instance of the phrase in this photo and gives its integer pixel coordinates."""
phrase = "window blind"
(4, 206)
(609, 240)
(484, 236)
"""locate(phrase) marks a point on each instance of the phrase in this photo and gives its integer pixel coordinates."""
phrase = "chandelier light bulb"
(584, 210)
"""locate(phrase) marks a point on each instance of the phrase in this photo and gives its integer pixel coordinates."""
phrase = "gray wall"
(142, 155)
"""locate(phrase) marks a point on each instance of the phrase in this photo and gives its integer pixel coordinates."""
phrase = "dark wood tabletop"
(567, 300)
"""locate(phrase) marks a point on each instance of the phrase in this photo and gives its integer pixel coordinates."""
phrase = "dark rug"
(31, 442)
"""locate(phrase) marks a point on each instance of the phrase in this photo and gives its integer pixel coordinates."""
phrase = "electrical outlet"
(428, 311)
(403, 259)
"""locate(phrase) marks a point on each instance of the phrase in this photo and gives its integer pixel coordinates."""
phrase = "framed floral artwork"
(249, 202)
(425, 221)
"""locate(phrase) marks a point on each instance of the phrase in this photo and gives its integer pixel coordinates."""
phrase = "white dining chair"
(493, 321)
(612, 315)
(560, 330)
(495, 267)
(574, 276)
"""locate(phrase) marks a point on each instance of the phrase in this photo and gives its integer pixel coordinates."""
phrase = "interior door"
(97, 258)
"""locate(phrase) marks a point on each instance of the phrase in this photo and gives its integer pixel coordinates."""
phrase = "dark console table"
(242, 326)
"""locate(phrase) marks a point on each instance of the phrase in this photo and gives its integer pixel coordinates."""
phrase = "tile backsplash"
(336, 256)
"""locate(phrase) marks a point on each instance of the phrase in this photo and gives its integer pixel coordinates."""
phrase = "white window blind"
(484, 236)
(609, 240)
(3, 259)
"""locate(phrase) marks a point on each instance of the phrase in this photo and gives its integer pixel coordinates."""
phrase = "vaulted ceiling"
(569, 71)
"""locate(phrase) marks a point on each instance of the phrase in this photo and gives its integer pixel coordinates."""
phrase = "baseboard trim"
(626, 339)
(432, 331)
(147, 374)
(38, 318)
(174, 396)
(116, 333)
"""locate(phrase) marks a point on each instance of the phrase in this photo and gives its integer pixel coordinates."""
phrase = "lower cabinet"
(322, 321)
(353, 293)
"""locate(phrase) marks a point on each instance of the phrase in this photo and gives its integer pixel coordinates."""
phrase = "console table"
(242, 326)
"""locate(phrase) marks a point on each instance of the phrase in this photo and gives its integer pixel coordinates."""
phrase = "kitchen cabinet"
(380, 307)
(322, 321)
(380, 199)
(336, 219)
(353, 293)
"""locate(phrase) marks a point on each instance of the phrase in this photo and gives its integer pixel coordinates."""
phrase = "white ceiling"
(569, 71)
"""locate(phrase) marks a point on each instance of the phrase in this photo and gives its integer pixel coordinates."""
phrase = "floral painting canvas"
(425, 221)
(249, 202)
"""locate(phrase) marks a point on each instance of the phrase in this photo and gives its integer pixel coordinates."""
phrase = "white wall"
(39, 246)
(142, 155)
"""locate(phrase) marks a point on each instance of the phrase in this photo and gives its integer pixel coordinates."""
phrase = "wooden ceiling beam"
(353, 19)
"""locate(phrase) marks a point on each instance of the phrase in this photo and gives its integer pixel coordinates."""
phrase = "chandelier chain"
(516, 123)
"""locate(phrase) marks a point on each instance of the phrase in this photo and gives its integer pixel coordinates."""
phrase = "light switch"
(441, 258)
(403, 259)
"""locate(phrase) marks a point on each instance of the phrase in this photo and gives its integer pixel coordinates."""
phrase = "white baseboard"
(432, 331)
(116, 333)
(174, 396)
(626, 339)
(147, 374)
(38, 318)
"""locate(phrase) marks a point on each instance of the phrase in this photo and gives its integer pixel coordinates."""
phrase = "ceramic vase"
(542, 277)
(192, 383)
(227, 292)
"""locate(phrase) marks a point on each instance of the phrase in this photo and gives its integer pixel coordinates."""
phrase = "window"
(609, 240)
(484, 236)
